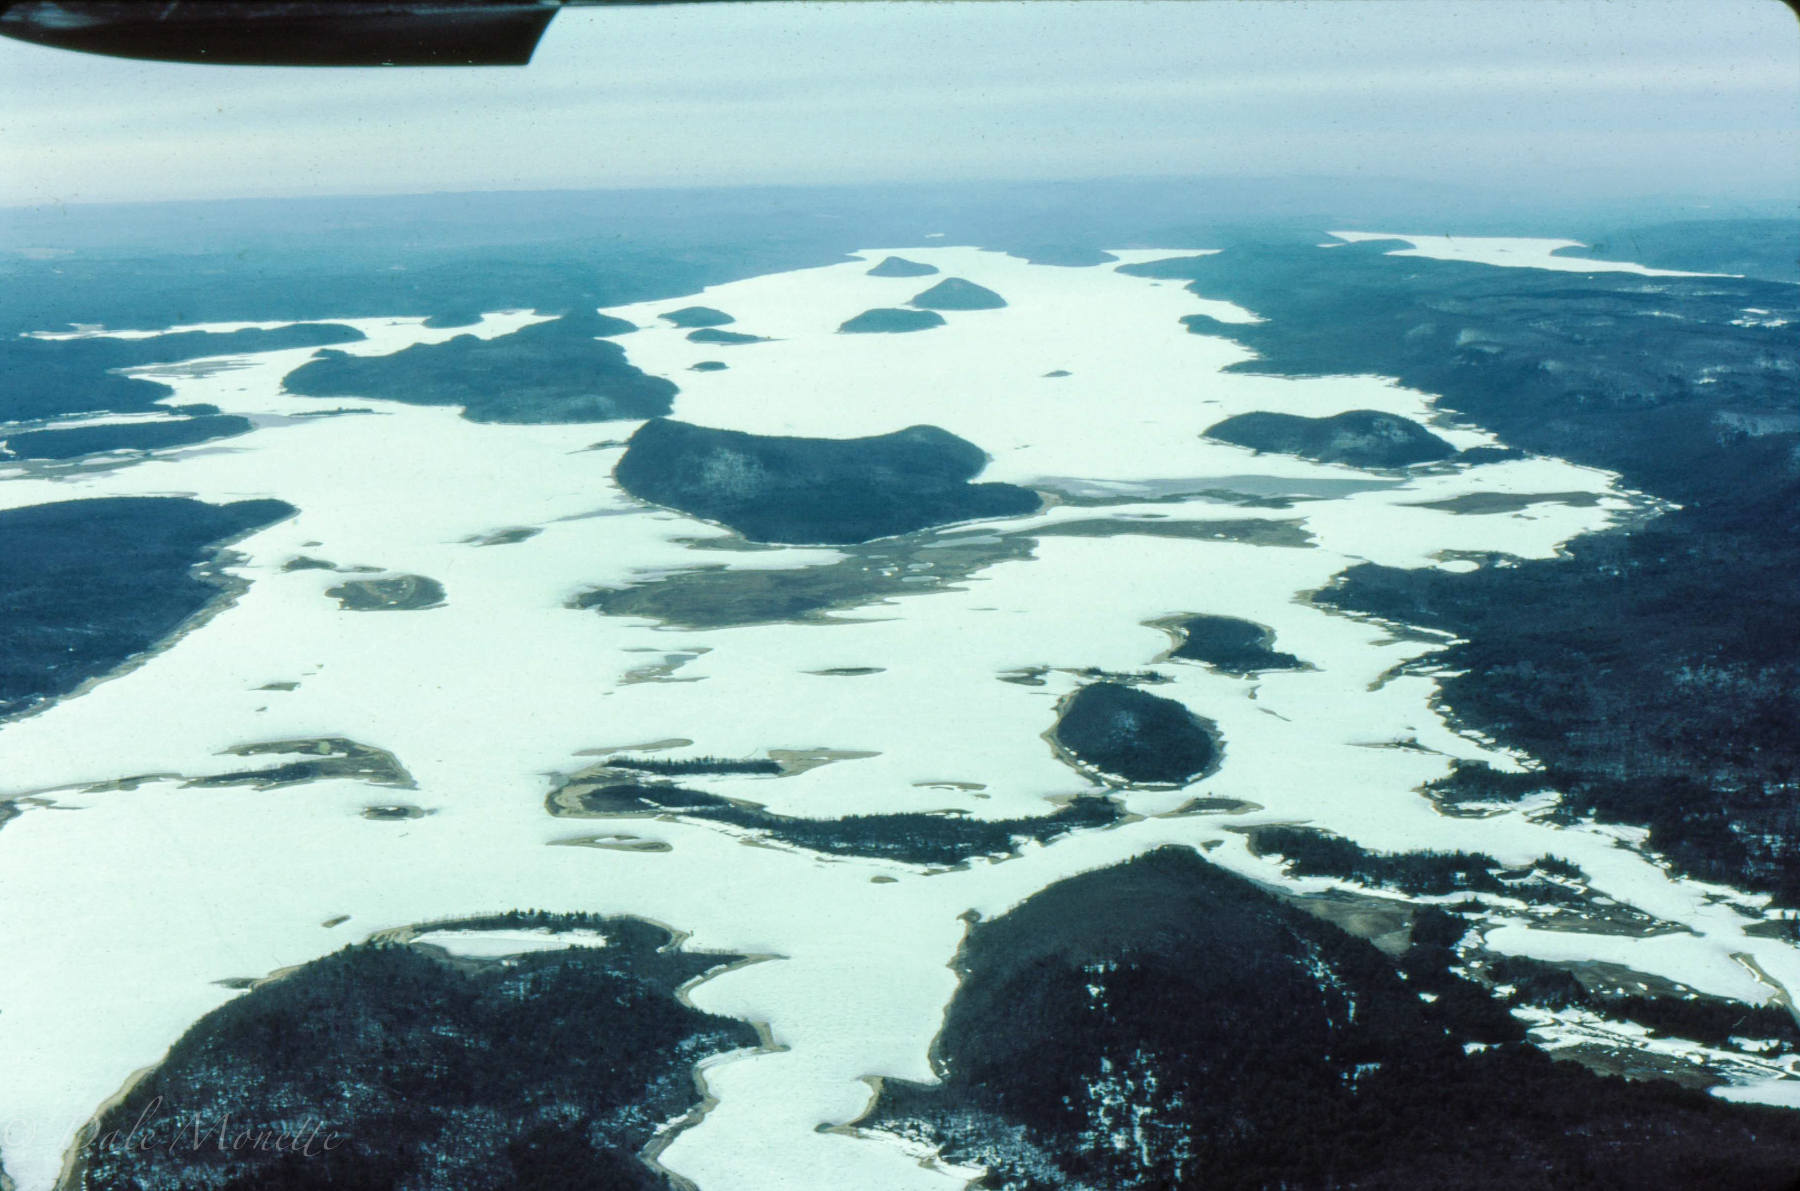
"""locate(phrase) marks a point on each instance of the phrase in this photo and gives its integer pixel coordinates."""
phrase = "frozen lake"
(129, 906)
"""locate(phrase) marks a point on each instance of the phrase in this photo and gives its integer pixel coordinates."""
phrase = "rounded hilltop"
(697, 316)
(815, 490)
(954, 293)
(1360, 438)
(898, 266)
(890, 321)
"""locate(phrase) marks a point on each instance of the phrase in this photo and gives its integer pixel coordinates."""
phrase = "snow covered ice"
(149, 905)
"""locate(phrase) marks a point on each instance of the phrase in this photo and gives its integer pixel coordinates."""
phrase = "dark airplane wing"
(352, 33)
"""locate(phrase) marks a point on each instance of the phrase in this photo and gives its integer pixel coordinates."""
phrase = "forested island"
(921, 838)
(899, 266)
(1166, 1025)
(697, 316)
(1230, 645)
(954, 293)
(556, 371)
(724, 338)
(1135, 735)
(815, 490)
(87, 584)
(1360, 437)
(891, 321)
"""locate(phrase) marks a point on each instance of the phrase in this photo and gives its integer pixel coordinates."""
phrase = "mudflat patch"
(394, 593)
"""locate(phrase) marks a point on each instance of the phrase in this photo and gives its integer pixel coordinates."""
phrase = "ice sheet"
(138, 902)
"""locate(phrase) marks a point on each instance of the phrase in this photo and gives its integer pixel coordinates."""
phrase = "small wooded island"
(899, 266)
(928, 838)
(815, 490)
(1231, 646)
(727, 338)
(1360, 437)
(888, 320)
(697, 316)
(953, 293)
(1135, 735)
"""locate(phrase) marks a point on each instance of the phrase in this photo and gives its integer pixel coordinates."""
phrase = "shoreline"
(211, 571)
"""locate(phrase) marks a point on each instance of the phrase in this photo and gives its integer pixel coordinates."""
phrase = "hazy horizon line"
(1487, 195)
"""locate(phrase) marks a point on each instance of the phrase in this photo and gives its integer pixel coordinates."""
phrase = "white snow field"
(1519, 252)
(128, 907)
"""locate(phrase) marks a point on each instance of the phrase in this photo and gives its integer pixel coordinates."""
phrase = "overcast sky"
(1552, 97)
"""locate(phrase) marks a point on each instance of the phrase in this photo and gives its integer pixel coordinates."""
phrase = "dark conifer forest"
(1165, 1025)
(385, 1067)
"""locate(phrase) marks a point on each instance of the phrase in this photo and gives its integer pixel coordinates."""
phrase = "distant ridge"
(896, 266)
(953, 293)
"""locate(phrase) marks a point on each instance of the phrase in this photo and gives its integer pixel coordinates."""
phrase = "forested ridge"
(1164, 1024)
(1652, 668)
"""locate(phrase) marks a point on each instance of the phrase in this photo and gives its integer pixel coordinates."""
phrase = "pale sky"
(1552, 98)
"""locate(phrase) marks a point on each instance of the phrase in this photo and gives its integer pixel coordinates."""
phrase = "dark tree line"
(910, 837)
(1316, 854)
